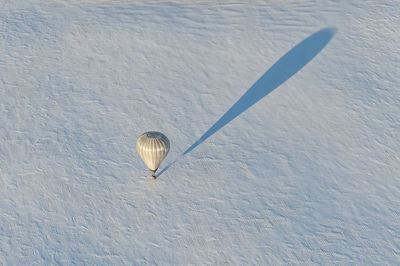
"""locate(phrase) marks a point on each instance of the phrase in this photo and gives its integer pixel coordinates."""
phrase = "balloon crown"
(155, 135)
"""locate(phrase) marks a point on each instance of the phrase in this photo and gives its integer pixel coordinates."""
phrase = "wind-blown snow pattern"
(306, 174)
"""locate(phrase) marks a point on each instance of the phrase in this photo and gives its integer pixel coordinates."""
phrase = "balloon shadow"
(282, 70)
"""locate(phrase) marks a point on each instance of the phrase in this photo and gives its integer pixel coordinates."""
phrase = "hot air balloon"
(152, 147)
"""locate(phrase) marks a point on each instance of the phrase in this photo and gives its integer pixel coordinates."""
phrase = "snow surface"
(307, 175)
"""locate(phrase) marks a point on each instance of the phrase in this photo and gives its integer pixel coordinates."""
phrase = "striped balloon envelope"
(152, 147)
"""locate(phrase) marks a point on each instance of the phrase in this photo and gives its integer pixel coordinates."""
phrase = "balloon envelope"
(152, 147)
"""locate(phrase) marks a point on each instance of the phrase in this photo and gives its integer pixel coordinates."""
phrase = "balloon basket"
(153, 174)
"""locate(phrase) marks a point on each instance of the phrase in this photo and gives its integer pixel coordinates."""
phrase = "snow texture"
(304, 170)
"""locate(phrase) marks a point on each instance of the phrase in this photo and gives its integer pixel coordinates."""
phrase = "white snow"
(307, 175)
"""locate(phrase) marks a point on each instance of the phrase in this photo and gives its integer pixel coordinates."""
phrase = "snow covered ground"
(307, 175)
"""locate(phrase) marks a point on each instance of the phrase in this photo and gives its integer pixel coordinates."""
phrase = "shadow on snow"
(282, 70)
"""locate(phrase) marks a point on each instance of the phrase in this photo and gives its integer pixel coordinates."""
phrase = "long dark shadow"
(282, 70)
